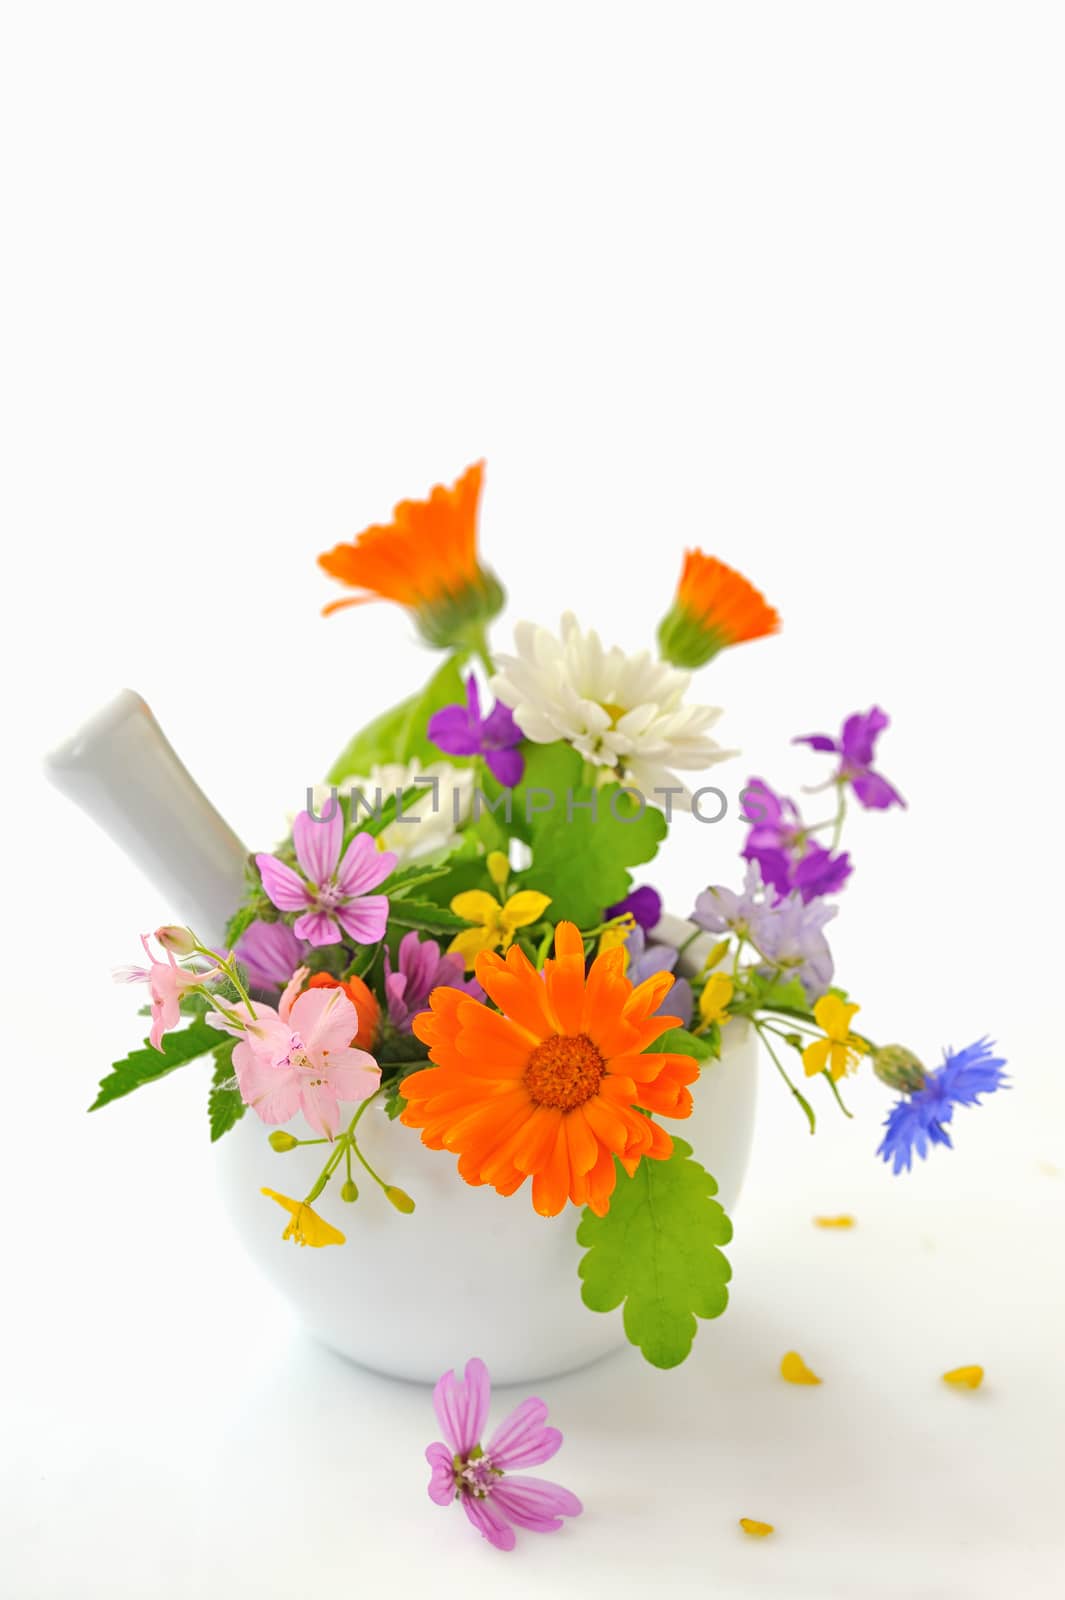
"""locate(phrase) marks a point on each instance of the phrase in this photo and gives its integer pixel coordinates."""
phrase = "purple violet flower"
(918, 1121)
(721, 910)
(856, 746)
(333, 899)
(647, 959)
(462, 731)
(493, 1497)
(643, 903)
(421, 969)
(270, 954)
(789, 861)
(789, 936)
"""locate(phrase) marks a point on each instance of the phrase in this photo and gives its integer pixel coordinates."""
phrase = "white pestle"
(122, 771)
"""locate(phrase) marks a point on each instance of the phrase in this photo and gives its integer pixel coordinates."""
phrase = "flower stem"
(804, 1103)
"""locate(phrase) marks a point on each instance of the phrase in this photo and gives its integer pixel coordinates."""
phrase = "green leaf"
(401, 883)
(678, 1041)
(145, 1066)
(581, 859)
(224, 1105)
(424, 915)
(657, 1250)
(399, 734)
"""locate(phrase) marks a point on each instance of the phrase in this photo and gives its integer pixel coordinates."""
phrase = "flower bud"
(178, 940)
(349, 1192)
(498, 867)
(717, 955)
(899, 1068)
(282, 1141)
(399, 1198)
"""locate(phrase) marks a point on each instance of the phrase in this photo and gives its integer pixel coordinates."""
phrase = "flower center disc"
(564, 1071)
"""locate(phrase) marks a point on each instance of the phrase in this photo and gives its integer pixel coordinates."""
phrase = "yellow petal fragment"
(757, 1530)
(470, 942)
(528, 905)
(718, 953)
(476, 905)
(834, 1222)
(964, 1377)
(834, 1016)
(815, 1057)
(793, 1369)
(713, 1002)
(306, 1226)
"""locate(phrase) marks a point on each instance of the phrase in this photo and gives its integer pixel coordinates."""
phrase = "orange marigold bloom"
(715, 606)
(425, 559)
(548, 1086)
(363, 999)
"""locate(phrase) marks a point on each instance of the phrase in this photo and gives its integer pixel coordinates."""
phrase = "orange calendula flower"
(424, 559)
(548, 1086)
(715, 606)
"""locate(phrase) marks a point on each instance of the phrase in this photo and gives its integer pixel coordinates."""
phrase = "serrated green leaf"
(425, 916)
(581, 860)
(224, 1105)
(147, 1065)
(657, 1249)
(398, 735)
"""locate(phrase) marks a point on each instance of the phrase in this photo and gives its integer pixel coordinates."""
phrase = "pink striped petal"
(442, 1482)
(534, 1503)
(273, 1093)
(354, 1074)
(319, 1104)
(284, 888)
(317, 927)
(318, 843)
(489, 1522)
(522, 1440)
(461, 1406)
(364, 866)
(363, 920)
(326, 1020)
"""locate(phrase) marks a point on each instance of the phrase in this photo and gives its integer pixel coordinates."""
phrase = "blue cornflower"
(919, 1120)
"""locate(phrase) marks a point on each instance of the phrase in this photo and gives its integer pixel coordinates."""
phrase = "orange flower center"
(564, 1071)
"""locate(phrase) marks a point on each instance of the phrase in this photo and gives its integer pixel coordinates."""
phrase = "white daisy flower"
(623, 713)
(442, 806)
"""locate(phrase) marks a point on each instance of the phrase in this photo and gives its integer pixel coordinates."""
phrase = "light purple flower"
(721, 910)
(647, 959)
(333, 895)
(790, 938)
(479, 1476)
(462, 731)
(856, 746)
(270, 953)
(421, 969)
(643, 903)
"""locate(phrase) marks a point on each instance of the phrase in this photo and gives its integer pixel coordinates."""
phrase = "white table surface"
(781, 280)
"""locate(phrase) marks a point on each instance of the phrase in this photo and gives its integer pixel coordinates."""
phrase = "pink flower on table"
(299, 1057)
(332, 894)
(492, 1496)
(167, 982)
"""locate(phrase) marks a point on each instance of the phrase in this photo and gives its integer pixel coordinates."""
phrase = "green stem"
(763, 1035)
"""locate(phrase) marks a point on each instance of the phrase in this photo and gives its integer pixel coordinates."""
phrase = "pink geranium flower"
(299, 1057)
(332, 895)
(167, 982)
(492, 1496)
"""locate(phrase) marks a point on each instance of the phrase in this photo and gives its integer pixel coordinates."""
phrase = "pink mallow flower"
(167, 982)
(332, 894)
(299, 1057)
(492, 1496)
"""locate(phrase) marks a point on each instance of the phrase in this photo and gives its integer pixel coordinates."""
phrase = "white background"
(783, 280)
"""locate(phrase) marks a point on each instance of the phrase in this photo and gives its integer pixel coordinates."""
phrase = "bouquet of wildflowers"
(453, 928)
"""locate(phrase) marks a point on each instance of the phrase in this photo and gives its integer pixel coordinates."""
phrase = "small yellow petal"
(794, 1369)
(815, 1057)
(834, 1222)
(718, 953)
(306, 1226)
(757, 1530)
(476, 905)
(613, 938)
(964, 1377)
(528, 905)
(498, 867)
(834, 1016)
(470, 942)
(717, 993)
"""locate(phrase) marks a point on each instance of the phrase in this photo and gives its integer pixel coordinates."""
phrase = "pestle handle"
(122, 771)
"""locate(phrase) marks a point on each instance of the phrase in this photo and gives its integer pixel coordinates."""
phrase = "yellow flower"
(498, 867)
(306, 1227)
(964, 1377)
(496, 924)
(839, 1049)
(713, 1002)
(793, 1369)
(613, 938)
(757, 1530)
